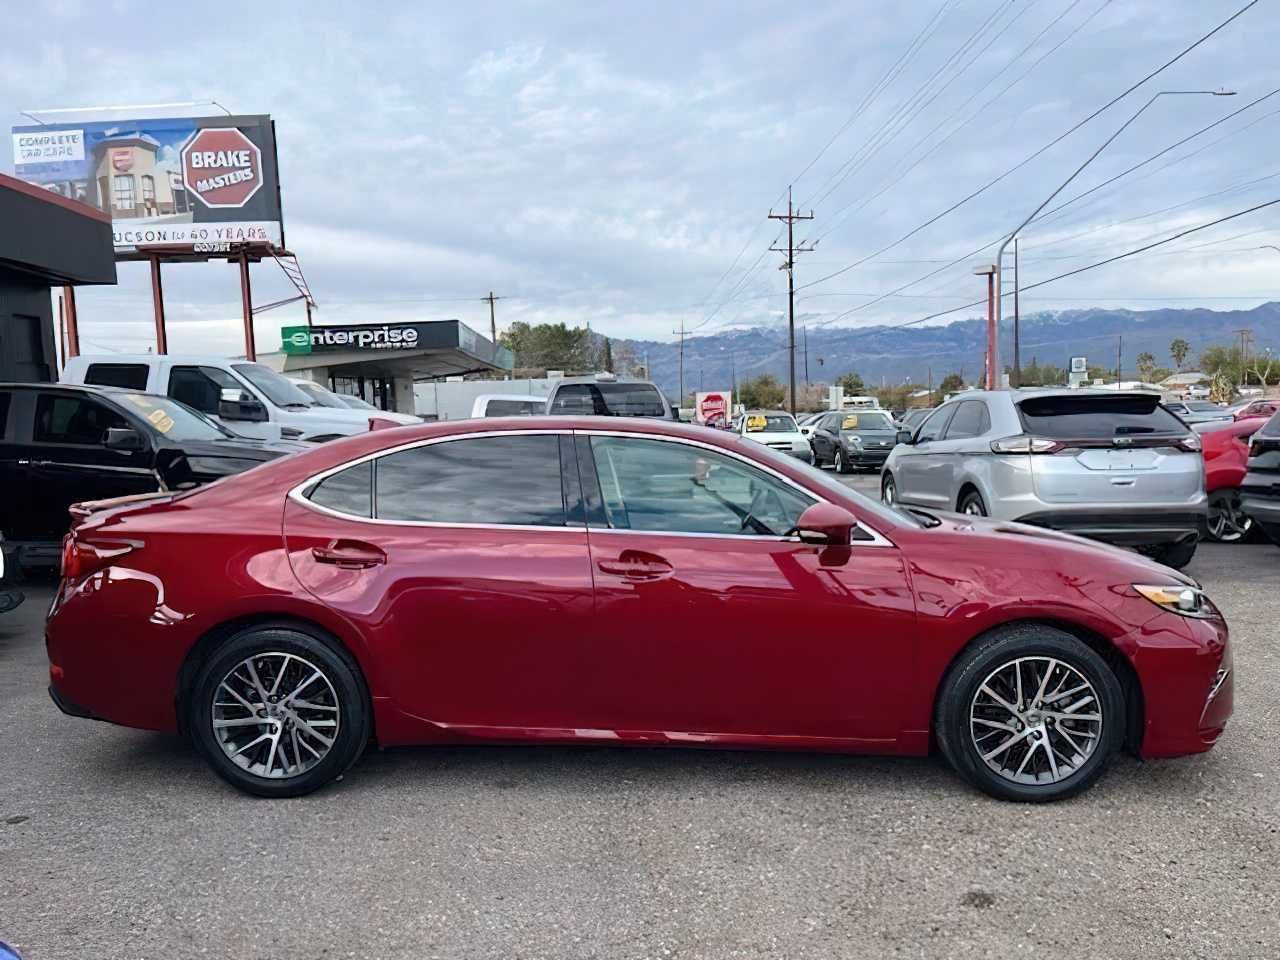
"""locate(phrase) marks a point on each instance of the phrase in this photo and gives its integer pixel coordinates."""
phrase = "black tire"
(839, 462)
(1272, 531)
(318, 650)
(1232, 524)
(1176, 555)
(975, 665)
(888, 489)
(971, 503)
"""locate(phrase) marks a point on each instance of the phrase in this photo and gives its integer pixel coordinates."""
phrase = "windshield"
(770, 423)
(609, 400)
(1097, 417)
(355, 403)
(171, 419)
(866, 420)
(1204, 406)
(319, 395)
(274, 387)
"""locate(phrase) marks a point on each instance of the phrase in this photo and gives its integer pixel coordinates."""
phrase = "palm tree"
(1179, 349)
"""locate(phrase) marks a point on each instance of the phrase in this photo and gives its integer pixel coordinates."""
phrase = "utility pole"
(789, 265)
(1017, 360)
(1119, 359)
(680, 333)
(1245, 334)
(493, 322)
(930, 383)
(805, 328)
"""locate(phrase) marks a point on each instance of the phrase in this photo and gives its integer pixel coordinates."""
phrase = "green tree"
(550, 346)
(951, 383)
(1178, 349)
(852, 384)
(762, 392)
(1217, 360)
(1146, 366)
(608, 356)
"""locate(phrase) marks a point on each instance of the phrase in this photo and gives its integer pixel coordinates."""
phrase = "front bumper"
(1188, 686)
(863, 457)
(1125, 527)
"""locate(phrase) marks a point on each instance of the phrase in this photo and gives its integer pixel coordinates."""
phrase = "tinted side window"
(932, 428)
(6, 399)
(73, 419)
(200, 387)
(831, 422)
(130, 375)
(609, 400)
(663, 486)
(971, 420)
(508, 480)
(349, 491)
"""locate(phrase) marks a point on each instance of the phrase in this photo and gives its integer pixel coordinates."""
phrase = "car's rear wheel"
(1227, 523)
(971, 503)
(1030, 713)
(1176, 555)
(888, 489)
(278, 711)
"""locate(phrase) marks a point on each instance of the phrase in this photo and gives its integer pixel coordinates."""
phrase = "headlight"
(1184, 601)
(853, 439)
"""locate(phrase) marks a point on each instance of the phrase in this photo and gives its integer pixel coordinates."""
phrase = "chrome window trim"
(297, 495)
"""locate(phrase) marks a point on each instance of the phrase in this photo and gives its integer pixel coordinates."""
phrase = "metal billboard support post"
(157, 305)
(73, 326)
(246, 304)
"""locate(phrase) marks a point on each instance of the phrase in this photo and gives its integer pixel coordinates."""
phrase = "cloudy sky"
(613, 163)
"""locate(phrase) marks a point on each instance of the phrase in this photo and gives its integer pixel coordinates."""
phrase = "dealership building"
(381, 361)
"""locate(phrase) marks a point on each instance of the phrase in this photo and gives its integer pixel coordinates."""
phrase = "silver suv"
(1113, 466)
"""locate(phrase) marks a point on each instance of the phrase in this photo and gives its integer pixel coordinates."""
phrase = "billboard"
(193, 183)
(713, 408)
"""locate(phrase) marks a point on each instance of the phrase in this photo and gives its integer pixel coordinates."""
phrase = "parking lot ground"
(117, 843)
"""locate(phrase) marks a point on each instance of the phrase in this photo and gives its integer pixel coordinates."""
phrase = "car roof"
(595, 378)
(68, 387)
(486, 397)
(153, 358)
(763, 411)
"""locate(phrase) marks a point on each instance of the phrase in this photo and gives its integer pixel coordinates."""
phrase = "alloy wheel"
(837, 462)
(1035, 720)
(1228, 523)
(276, 715)
(888, 492)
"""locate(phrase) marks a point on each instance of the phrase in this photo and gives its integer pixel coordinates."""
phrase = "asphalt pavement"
(120, 844)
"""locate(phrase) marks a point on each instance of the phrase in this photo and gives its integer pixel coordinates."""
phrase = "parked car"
(62, 444)
(1115, 466)
(11, 596)
(808, 421)
(858, 439)
(778, 430)
(914, 417)
(508, 405)
(1197, 411)
(1256, 408)
(1260, 490)
(328, 400)
(344, 610)
(605, 395)
(248, 398)
(1226, 454)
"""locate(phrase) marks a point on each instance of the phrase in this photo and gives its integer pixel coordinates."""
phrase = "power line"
(790, 218)
(989, 184)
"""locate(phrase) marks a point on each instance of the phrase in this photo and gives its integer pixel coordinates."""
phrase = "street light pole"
(993, 343)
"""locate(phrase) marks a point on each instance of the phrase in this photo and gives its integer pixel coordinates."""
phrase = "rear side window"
(201, 387)
(512, 408)
(609, 400)
(132, 376)
(490, 480)
(348, 491)
(971, 420)
(1097, 418)
(72, 419)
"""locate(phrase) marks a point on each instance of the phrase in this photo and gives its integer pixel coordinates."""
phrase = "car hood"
(1139, 567)
(872, 434)
(764, 436)
(242, 448)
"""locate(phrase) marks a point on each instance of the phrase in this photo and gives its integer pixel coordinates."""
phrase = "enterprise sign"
(296, 340)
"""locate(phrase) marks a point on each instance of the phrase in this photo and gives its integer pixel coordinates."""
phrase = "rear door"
(920, 463)
(69, 463)
(1116, 449)
(15, 489)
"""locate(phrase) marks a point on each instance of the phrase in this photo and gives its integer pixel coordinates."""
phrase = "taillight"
(1025, 444)
(1190, 443)
(82, 557)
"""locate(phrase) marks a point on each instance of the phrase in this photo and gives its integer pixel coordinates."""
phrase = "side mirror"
(240, 405)
(825, 524)
(906, 436)
(123, 438)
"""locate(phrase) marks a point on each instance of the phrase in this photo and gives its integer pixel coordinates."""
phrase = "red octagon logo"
(222, 167)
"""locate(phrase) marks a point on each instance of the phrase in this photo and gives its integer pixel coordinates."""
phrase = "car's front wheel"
(278, 711)
(888, 489)
(839, 462)
(1030, 713)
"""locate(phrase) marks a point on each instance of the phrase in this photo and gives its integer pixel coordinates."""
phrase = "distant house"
(130, 181)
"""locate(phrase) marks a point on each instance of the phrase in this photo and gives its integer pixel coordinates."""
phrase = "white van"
(252, 400)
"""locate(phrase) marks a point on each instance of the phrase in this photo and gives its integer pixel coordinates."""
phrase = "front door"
(69, 464)
(711, 620)
(921, 471)
(466, 570)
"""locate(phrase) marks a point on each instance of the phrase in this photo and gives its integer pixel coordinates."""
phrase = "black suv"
(1260, 491)
(62, 444)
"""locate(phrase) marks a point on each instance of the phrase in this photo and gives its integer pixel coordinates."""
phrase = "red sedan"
(1226, 456)
(619, 582)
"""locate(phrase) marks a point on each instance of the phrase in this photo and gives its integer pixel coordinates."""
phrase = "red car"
(586, 580)
(1258, 408)
(1226, 453)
